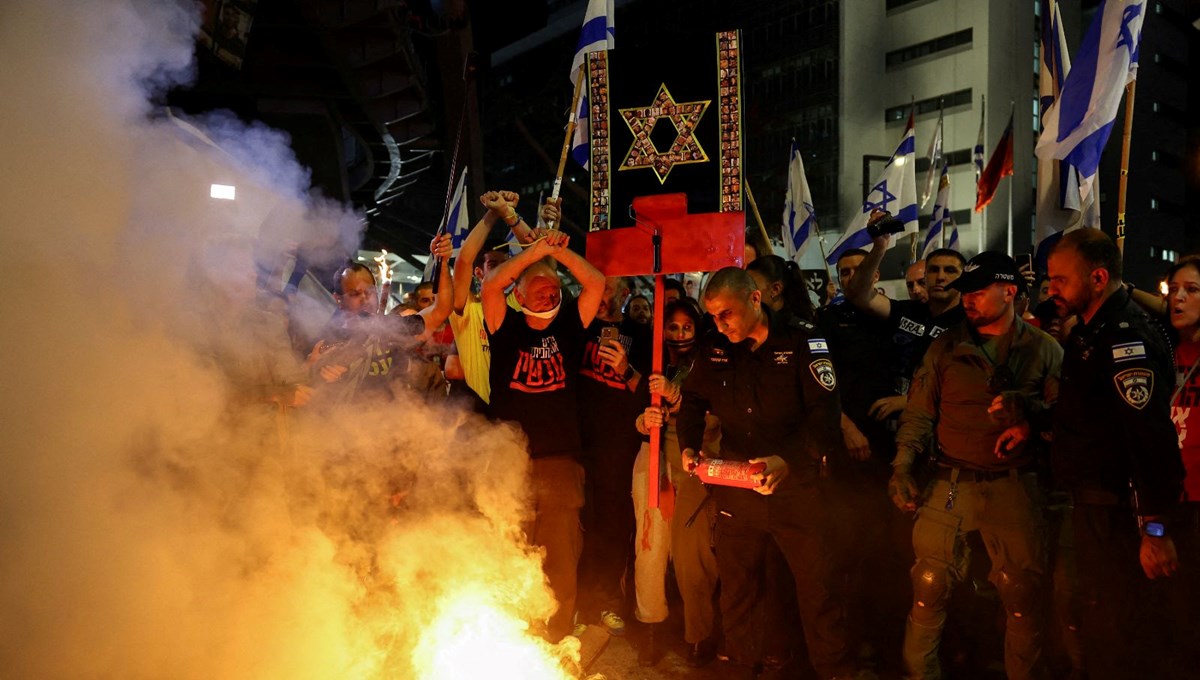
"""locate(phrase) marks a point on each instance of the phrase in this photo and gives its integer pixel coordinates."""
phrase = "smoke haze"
(159, 519)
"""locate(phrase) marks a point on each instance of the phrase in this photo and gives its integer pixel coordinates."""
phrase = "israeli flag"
(952, 242)
(596, 35)
(895, 192)
(458, 222)
(939, 222)
(935, 158)
(1077, 128)
(799, 217)
(514, 246)
(1059, 208)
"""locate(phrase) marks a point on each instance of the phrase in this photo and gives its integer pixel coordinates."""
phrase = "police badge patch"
(1135, 385)
(822, 370)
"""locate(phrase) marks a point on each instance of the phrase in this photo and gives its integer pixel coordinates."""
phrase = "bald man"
(536, 354)
(914, 281)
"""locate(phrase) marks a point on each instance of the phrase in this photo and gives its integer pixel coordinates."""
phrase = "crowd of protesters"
(1033, 429)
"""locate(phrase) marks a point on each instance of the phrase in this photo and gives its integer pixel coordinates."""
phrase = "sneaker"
(614, 623)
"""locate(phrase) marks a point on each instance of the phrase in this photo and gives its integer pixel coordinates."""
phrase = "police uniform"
(780, 399)
(973, 490)
(1112, 435)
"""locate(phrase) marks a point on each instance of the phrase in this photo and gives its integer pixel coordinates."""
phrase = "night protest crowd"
(1036, 424)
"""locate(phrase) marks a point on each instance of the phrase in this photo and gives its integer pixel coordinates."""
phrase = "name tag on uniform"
(909, 326)
(717, 356)
(818, 346)
(783, 358)
(1128, 351)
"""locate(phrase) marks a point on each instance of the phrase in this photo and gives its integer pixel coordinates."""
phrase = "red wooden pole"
(656, 364)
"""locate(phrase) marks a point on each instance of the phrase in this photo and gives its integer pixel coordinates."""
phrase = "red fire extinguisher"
(738, 473)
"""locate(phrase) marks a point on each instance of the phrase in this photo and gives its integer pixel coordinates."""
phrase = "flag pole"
(981, 235)
(1130, 91)
(572, 121)
(821, 244)
(757, 217)
(1012, 183)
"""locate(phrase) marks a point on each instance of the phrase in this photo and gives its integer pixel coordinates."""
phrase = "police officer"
(773, 387)
(979, 386)
(1116, 450)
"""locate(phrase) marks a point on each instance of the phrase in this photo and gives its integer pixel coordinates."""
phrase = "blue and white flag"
(1078, 126)
(799, 217)
(939, 223)
(952, 237)
(935, 159)
(1059, 208)
(895, 192)
(596, 35)
(458, 223)
(514, 246)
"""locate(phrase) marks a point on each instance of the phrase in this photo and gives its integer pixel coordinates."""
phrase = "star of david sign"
(686, 149)
(884, 199)
(1126, 39)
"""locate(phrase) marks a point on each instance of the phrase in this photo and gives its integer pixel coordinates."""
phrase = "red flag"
(999, 166)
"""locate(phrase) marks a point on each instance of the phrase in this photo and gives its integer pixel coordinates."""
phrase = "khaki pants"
(689, 547)
(1007, 512)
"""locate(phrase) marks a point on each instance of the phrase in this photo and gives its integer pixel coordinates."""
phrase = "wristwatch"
(1155, 529)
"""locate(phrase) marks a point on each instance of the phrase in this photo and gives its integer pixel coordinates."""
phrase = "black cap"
(987, 268)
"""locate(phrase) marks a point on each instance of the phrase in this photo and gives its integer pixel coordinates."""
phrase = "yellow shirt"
(474, 353)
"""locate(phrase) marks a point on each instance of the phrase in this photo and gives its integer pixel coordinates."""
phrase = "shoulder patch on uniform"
(822, 370)
(1128, 351)
(818, 346)
(1135, 385)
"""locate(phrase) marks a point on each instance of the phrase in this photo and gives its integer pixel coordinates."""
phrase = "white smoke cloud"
(158, 518)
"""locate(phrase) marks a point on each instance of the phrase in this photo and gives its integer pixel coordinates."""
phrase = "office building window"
(931, 105)
(902, 56)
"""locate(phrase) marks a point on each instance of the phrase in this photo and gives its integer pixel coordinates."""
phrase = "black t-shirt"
(914, 328)
(867, 363)
(534, 379)
(609, 409)
(378, 352)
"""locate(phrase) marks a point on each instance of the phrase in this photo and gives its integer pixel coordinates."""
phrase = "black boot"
(702, 653)
(648, 653)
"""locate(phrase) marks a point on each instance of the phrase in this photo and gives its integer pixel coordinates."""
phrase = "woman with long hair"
(664, 532)
(1183, 310)
(782, 286)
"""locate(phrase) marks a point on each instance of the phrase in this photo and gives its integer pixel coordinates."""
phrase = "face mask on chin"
(548, 314)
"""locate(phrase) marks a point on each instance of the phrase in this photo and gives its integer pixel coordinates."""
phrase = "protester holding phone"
(913, 324)
(612, 392)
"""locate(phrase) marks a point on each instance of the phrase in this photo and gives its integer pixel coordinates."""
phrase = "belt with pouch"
(947, 473)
